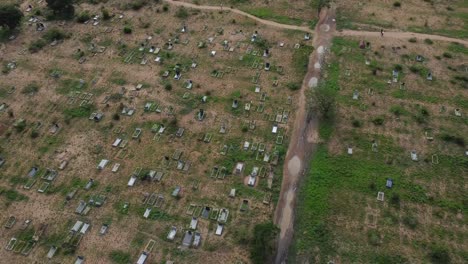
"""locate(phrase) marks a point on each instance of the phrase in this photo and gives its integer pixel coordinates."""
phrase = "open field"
(50, 91)
(422, 216)
(302, 12)
(448, 18)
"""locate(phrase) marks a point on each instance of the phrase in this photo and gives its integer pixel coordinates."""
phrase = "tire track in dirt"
(237, 11)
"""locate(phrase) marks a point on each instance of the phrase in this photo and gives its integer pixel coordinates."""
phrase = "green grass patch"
(268, 14)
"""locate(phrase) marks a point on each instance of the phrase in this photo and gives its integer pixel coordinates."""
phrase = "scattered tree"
(10, 16)
(323, 100)
(62, 8)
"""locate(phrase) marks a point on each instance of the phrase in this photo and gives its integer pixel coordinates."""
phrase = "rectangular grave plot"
(11, 244)
(191, 209)
(214, 214)
(43, 188)
(149, 246)
(19, 246)
(28, 248)
(152, 199)
(279, 140)
(29, 184)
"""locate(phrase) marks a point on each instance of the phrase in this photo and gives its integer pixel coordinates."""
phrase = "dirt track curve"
(237, 11)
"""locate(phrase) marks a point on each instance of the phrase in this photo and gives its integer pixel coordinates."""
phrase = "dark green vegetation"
(119, 257)
(263, 243)
(62, 9)
(10, 17)
(338, 214)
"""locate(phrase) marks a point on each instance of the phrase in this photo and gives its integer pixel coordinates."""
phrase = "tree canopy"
(10, 16)
(62, 8)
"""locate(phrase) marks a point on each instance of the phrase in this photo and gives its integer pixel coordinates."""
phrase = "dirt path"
(303, 138)
(400, 35)
(237, 11)
(388, 34)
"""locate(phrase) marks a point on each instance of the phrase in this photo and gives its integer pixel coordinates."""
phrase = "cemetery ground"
(387, 183)
(116, 132)
(447, 18)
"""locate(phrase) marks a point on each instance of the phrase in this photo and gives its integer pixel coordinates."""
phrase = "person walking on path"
(381, 32)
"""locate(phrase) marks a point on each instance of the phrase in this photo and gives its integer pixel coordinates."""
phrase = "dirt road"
(303, 137)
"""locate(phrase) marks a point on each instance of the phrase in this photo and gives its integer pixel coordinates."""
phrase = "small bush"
(378, 121)
(168, 86)
(453, 139)
(105, 14)
(55, 34)
(36, 45)
(293, 86)
(165, 7)
(119, 257)
(397, 110)
(356, 123)
(397, 4)
(395, 200)
(244, 129)
(413, 40)
(127, 30)
(31, 88)
(428, 41)
(439, 255)
(116, 117)
(34, 134)
(398, 67)
(447, 55)
(182, 13)
(83, 17)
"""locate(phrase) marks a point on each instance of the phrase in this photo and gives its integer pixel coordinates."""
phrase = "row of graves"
(263, 115)
(264, 152)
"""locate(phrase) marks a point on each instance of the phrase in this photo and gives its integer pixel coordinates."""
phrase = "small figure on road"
(381, 32)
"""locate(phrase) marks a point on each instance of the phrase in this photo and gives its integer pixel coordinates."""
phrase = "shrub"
(116, 117)
(439, 255)
(447, 55)
(165, 7)
(245, 129)
(395, 200)
(127, 30)
(428, 41)
(262, 245)
(182, 13)
(55, 34)
(168, 86)
(31, 88)
(293, 86)
(398, 67)
(105, 14)
(413, 40)
(453, 139)
(397, 110)
(138, 4)
(36, 45)
(378, 121)
(397, 4)
(34, 134)
(83, 17)
(119, 257)
(356, 123)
